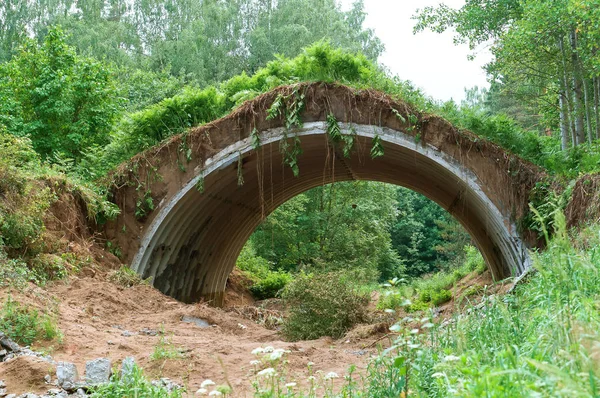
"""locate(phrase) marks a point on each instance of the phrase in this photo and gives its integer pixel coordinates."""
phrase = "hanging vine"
(240, 171)
(376, 147)
(289, 107)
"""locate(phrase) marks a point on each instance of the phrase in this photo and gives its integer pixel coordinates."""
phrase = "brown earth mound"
(25, 374)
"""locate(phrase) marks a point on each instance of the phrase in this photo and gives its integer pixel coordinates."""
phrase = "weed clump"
(322, 305)
(127, 277)
(134, 384)
(24, 325)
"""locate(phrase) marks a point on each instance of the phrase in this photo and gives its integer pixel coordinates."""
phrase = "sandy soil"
(100, 319)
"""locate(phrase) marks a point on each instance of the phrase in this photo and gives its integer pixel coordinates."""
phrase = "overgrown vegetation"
(542, 339)
(25, 325)
(420, 294)
(326, 304)
(127, 277)
(133, 384)
(85, 86)
(28, 187)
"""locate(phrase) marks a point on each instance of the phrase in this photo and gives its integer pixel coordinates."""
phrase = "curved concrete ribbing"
(192, 243)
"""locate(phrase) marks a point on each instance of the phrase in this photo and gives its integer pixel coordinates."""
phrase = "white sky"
(430, 60)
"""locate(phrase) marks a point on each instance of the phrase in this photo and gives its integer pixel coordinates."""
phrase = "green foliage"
(430, 286)
(165, 349)
(271, 285)
(127, 277)
(132, 385)
(340, 226)
(537, 341)
(422, 293)
(64, 102)
(28, 187)
(322, 305)
(425, 235)
(266, 283)
(24, 325)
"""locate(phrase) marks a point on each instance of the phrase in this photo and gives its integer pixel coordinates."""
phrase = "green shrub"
(24, 325)
(418, 305)
(425, 296)
(255, 267)
(322, 305)
(271, 285)
(390, 299)
(134, 385)
(265, 282)
(441, 296)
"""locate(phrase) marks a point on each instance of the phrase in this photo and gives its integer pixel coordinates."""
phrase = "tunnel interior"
(193, 243)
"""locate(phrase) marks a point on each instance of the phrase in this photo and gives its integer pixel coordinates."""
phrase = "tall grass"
(542, 340)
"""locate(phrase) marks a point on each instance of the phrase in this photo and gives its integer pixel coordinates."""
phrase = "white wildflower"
(277, 354)
(267, 372)
(310, 364)
(254, 362)
(311, 378)
(215, 393)
(268, 349)
(451, 358)
(414, 331)
(242, 326)
(258, 350)
(331, 375)
(290, 385)
(206, 383)
(201, 391)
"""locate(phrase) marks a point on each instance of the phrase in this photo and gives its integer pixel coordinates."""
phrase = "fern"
(333, 129)
(376, 147)
(276, 108)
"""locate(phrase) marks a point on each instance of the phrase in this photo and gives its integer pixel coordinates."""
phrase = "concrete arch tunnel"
(191, 240)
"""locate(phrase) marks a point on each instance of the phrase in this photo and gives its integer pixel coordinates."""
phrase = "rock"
(196, 321)
(7, 343)
(127, 333)
(48, 379)
(67, 375)
(81, 393)
(149, 332)
(127, 367)
(97, 371)
(2, 384)
(166, 383)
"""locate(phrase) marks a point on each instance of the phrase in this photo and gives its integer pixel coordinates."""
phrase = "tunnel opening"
(373, 232)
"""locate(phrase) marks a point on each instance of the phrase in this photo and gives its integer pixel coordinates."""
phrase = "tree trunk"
(597, 104)
(564, 120)
(577, 92)
(570, 121)
(588, 113)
